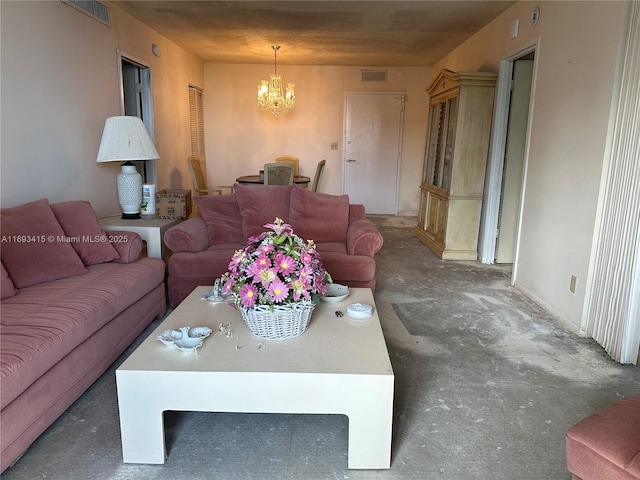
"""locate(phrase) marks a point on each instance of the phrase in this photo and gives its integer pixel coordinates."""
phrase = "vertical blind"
(613, 313)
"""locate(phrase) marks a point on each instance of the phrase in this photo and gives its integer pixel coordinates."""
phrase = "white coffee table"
(338, 366)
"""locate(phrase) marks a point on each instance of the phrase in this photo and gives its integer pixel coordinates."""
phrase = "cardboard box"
(173, 204)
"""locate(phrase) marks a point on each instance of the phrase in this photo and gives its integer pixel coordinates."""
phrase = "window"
(196, 120)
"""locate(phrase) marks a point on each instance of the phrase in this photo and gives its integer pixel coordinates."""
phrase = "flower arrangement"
(276, 267)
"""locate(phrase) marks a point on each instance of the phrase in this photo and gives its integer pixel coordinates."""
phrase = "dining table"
(259, 180)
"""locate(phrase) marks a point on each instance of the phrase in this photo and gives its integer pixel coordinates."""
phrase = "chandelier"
(270, 95)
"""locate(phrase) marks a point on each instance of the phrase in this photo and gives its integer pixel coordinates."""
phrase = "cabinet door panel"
(452, 112)
(442, 220)
(432, 226)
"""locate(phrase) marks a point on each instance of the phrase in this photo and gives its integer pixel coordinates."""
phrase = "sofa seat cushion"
(318, 216)
(336, 247)
(213, 261)
(607, 444)
(36, 250)
(261, 204)
(344, 268)
(45, 322)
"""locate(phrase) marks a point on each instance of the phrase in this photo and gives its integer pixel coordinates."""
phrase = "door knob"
(350, 160)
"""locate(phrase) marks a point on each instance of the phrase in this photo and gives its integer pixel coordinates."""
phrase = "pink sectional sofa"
(73, 299)
(606, 445)
(203, 246)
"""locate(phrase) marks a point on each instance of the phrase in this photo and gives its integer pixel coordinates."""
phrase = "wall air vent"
(93, 8)
(373, 75)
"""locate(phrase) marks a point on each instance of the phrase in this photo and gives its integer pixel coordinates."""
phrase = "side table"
(151, 231)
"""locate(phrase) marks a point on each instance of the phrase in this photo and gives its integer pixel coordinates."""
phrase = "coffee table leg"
(370, 426)
(141, 424)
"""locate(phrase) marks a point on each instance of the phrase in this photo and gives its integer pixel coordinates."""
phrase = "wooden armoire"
(459, 126)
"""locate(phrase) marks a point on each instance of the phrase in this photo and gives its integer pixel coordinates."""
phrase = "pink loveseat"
(73, 299)
(203, 246)
(606, 445)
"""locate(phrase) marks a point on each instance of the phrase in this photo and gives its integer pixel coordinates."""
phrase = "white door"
(373, 132)
(514, 161)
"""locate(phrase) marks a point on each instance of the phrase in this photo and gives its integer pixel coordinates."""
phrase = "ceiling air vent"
(93, 8)
(373, 75)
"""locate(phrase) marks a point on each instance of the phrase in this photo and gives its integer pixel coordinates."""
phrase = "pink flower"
(300, 289)
(265, 249)
(305, 274)
(279, 227)
(306, 258)
(263, 260)
(227, 288)
(284, 263)
(266, 276)
(236, 261)
(248, 295)
(278, 291)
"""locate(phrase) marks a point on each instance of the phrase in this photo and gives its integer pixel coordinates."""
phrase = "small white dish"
(186, 339)
(189, 344)
(200, 332)
(335, 293)
(359, 310)
(169, 337)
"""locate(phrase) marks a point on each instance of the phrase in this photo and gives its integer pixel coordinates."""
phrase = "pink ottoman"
(606, 445)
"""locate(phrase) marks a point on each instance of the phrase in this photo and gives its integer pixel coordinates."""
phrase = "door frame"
(495, 162)
(403, 96)
(150, 172)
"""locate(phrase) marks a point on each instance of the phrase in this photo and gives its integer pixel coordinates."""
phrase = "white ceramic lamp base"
(129, 191)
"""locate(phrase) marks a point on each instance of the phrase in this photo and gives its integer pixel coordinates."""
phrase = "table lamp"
(125, 139)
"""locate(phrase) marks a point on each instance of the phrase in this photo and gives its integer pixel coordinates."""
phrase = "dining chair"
(278, 173)
(292, 160)
(199, 181)
(316, 179)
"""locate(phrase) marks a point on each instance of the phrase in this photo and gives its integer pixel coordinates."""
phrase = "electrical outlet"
(334, 145)
(573, 283)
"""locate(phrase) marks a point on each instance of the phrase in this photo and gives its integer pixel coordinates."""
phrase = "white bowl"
(335, 293)
(189, 344)
(199, 332)
(169, 337)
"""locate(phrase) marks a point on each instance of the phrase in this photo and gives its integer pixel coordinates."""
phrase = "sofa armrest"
(127, 244)
(363, 238)
(188, 236)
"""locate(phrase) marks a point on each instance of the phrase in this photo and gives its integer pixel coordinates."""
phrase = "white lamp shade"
(125, 138)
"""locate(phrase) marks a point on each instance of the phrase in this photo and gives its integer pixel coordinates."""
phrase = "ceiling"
(341, 33)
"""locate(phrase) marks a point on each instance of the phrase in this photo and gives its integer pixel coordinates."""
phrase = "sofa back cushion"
(261, 204)
(221, 215)
(7, 288)
(319, 217)
(80, 223)
(35, 250)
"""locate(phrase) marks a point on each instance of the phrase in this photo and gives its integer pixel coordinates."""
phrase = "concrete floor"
(487, 383)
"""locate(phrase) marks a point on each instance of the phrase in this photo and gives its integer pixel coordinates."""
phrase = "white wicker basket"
(278, 322)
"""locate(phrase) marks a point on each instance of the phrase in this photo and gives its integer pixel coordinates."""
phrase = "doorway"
(508, 213)
(136, 101)
(373, 145)
(506, 169)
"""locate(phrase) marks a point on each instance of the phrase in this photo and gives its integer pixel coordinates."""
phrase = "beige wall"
(59, 84)
(574, 88)
(240, 137)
